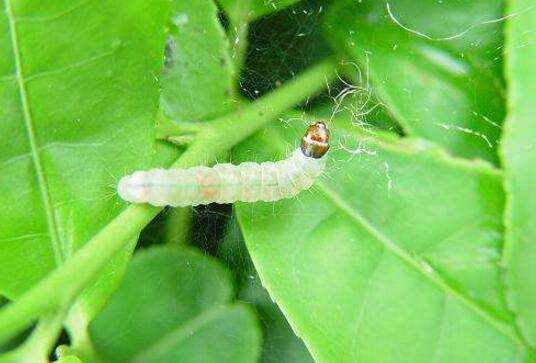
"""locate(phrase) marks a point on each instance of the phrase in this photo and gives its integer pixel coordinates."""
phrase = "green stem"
(40, 343)
(239, 17)
(177, 222)
(166, 127)
(238, 34)
(80, 345)
(59, 289)
(229, 130)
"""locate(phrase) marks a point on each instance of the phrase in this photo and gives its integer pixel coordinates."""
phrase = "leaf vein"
(53, 16)
(69, 67)
(30, 131)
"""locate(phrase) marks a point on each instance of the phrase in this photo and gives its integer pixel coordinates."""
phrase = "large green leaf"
(449, 92)
(198, 80)
(392, 254)
(520, 167)
(174, 305)
(78, 94)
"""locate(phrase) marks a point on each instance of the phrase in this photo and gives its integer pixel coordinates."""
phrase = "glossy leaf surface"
(394, 253)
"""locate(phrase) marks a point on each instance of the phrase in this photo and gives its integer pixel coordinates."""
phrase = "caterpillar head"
(315, 142)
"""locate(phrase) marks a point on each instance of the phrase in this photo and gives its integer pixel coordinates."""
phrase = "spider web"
(280, 46)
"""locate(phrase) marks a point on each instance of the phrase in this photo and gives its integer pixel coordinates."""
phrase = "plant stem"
(227, 131)
(237, 32)
(59, 289)
(166, 127)
(177, 223)
(37, 347)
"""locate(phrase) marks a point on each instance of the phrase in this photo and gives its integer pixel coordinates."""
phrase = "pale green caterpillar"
(228, 183)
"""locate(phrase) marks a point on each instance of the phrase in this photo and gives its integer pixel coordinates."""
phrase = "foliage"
(171, 302)
(416, 246)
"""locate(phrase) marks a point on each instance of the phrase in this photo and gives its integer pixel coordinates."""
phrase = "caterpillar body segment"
(227, 183)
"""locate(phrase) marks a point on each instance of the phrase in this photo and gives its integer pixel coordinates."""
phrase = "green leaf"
(78, 93)
(393, 254)
(174, 305)
(449, 92)
(520, 167)
(280, 344)
(198, 79)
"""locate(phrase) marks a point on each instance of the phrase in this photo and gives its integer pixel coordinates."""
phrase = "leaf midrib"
(30, 131)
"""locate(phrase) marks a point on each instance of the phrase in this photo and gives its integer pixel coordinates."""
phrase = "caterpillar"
(227, 183)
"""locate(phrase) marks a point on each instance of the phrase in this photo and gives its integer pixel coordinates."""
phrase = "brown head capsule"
(315, 142)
